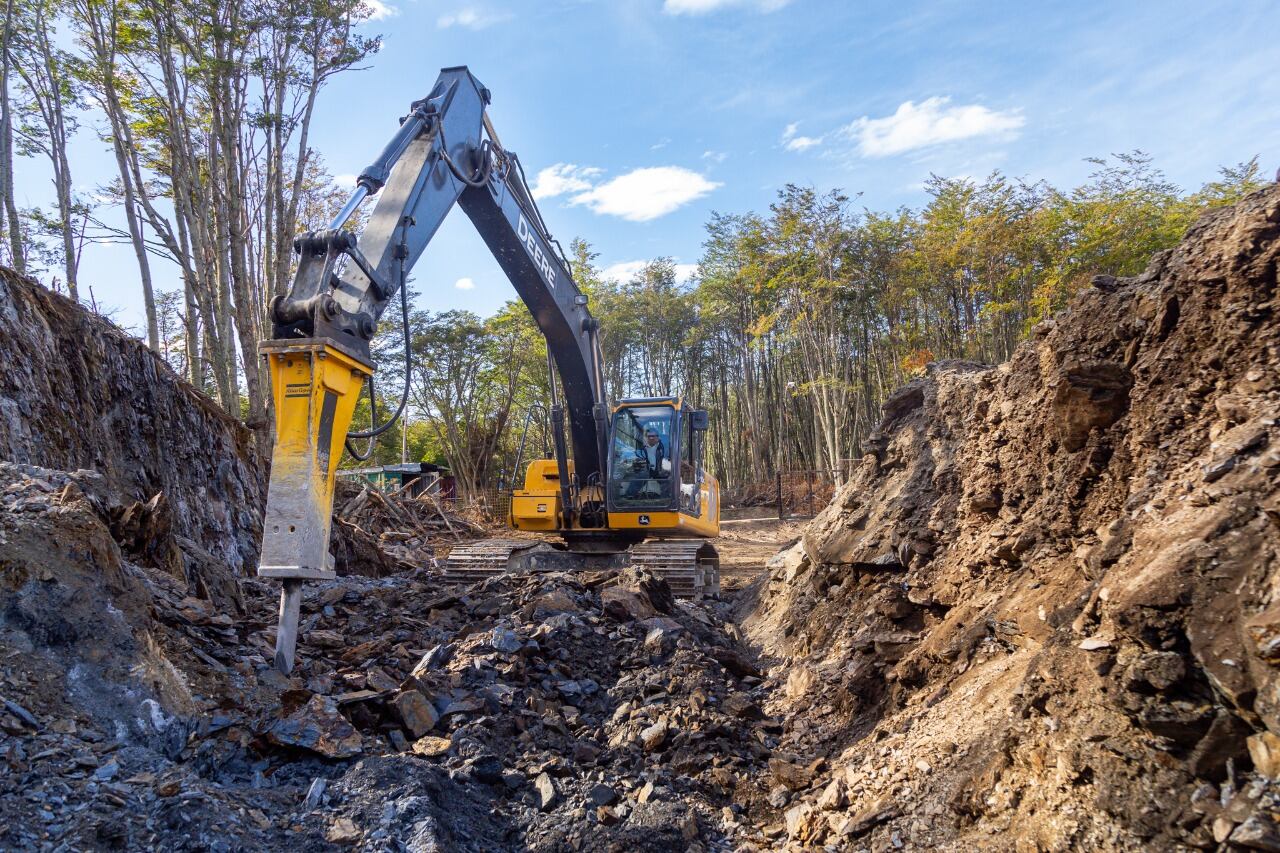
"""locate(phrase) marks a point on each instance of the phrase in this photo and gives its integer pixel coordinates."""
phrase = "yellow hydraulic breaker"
(315, 383)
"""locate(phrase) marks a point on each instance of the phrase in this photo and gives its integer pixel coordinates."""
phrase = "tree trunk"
(103, 40)
(16, 254)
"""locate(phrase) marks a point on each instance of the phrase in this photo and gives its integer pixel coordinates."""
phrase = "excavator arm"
(445, 152)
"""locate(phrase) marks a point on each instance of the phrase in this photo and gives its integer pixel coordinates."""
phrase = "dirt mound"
(1042, 615)
(78, 393)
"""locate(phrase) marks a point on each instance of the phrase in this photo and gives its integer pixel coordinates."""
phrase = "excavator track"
(690, 566)
(485, 559)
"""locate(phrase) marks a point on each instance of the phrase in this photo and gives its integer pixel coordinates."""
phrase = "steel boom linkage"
(445, 152)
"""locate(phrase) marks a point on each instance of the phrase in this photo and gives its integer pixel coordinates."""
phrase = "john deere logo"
(542, 507)
(644, 519)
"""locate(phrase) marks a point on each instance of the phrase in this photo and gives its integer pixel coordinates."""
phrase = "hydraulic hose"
(486, 164)
(376, 428)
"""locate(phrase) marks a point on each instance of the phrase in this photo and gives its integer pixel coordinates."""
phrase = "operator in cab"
(645, 467)
(654, 454)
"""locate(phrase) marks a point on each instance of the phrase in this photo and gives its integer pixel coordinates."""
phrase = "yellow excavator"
(626, 486)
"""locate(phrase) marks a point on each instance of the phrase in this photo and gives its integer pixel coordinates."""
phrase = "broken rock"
(1264, 749)
(546, 791)
(653, 737)
(416, 714)
(319, 727)
(602, 795)
(343, 831)
(432, 747)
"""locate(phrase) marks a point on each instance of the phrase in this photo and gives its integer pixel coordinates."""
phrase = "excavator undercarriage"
(690, 566)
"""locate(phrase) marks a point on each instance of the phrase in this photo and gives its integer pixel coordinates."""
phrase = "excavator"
(626, 486)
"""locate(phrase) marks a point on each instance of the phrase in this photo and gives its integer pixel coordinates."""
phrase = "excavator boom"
(445, 153)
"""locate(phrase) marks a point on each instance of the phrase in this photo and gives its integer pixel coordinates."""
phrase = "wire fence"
(794, 493)
(492, 501)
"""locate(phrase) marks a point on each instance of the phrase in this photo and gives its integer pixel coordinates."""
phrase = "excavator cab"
(656, 481)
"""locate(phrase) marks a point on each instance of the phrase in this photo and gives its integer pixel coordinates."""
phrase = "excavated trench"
(1041, 616)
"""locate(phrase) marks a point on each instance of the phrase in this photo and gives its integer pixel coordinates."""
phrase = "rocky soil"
(138, 708)
(1042, 615)
(545, 713)
(78, 393)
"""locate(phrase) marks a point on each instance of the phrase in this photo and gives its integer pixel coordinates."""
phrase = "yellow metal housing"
(315, 384)
(677, 524)
(537, 505)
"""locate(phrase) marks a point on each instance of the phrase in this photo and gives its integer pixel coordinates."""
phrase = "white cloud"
(714, 156)
(792, 141)
(347, 181)
(623, 271)
(465, 284)
(645, 194)
(684, 272)
(702, 7)
(379, 11)
(931, 122)
(563, 178)
(803, 143)
(626, 270)
(471, 18)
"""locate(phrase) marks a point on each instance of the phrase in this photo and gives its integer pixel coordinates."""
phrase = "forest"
(798, 322)
(800, 319)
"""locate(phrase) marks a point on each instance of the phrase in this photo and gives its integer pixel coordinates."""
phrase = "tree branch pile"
(402, 529)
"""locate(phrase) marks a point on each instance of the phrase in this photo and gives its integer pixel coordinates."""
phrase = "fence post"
(782, 513)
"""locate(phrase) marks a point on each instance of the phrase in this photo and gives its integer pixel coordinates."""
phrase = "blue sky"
(640, 117)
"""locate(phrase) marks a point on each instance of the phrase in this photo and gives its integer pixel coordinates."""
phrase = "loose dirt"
(746, 545)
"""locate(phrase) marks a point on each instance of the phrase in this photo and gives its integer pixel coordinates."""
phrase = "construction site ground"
(1042, 614)
(745, 545)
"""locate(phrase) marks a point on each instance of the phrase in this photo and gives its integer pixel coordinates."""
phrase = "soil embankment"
(1043, 614)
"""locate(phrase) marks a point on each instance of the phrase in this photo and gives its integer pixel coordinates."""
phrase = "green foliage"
(804, 318)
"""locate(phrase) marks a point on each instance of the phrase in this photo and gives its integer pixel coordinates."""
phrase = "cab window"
(642, 470)
(689, 482)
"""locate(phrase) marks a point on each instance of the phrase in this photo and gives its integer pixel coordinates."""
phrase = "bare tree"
(50, 92)
(9, 214)
(99, 23)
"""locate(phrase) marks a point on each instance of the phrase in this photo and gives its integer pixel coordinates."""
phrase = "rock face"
(78, 393)
(1046, 603)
